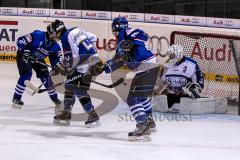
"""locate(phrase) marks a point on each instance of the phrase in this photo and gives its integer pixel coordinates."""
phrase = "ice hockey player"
(80, 60)
(184, 77)
(32, 49)
(132, 52)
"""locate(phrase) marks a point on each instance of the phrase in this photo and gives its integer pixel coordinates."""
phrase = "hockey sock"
(51, 91)
(138, 112)
(147, 106)
(20, 87)
(136, 109)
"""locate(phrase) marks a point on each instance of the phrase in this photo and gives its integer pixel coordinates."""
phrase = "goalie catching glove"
(193, 90)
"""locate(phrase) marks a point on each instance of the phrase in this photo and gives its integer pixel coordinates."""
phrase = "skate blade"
(61, 122)
(16, 106)
(143, 138)
(93, 124)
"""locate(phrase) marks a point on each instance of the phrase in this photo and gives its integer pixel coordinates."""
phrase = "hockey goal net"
(219, 57)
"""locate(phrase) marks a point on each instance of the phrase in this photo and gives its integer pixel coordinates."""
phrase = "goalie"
(183, 75)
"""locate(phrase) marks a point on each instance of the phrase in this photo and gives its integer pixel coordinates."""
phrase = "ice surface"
(29, 134)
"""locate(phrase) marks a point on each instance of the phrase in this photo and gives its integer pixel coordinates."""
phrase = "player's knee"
(131, 100)
(85, 100)
(43, 73)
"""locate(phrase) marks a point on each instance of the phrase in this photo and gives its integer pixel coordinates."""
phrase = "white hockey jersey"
(187, 70)
(78, 45)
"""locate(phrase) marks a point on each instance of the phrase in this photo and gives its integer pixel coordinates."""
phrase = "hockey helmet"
(175, 53)
(119, 23)
(55, 30)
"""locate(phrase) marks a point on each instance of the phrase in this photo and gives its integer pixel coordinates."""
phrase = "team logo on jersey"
(184, 69)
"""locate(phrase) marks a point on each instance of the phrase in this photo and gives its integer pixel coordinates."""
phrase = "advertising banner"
(96, 14)
(159, 18)
(191, 20)
(65, 13)
(39, 12)
(8, 11)
(135, 17)
(223, 23)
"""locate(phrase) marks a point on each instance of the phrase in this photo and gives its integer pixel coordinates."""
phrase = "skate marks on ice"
(78, 132)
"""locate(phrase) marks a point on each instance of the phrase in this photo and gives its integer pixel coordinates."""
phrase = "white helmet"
(175, 53)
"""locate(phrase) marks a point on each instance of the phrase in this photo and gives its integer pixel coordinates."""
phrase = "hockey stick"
(115, 84)
(38, 90)
(44, 64)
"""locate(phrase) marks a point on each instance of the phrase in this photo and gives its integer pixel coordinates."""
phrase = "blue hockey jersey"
(138, 37)
(40, 47)
(139, 53)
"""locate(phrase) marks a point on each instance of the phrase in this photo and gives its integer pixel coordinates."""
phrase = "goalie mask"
(118, 24)
(55, 30)
(175, 54)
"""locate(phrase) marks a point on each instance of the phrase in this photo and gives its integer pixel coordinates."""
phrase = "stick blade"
(31, 86)
(118, 82)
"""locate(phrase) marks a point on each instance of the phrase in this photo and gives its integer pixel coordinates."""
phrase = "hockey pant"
(78, 88)
(141, 90)
(173, 98)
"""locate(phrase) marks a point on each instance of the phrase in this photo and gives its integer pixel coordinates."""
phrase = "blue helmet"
(118, 24)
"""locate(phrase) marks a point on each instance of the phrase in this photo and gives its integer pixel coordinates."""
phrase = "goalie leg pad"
(202, 105)
(160, 103)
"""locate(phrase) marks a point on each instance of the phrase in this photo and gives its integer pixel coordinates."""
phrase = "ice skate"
(151, 123)
(57, 102)
(17, 104)
(59, 107)
(93, 120)
(142, 132)
(63, 118)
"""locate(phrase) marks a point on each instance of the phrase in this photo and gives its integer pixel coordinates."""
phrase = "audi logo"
(195, 20)
(71, 13)
(6, 11)
(133, 16)
(228, 23)
(40, 12)
(164, 19)
(103, 15)
(159, 45)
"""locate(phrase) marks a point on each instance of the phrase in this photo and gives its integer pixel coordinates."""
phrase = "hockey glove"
(97, 69)
(27, 56)
(193, 90)
(126, 45)
(117, 62)
(60, 68)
